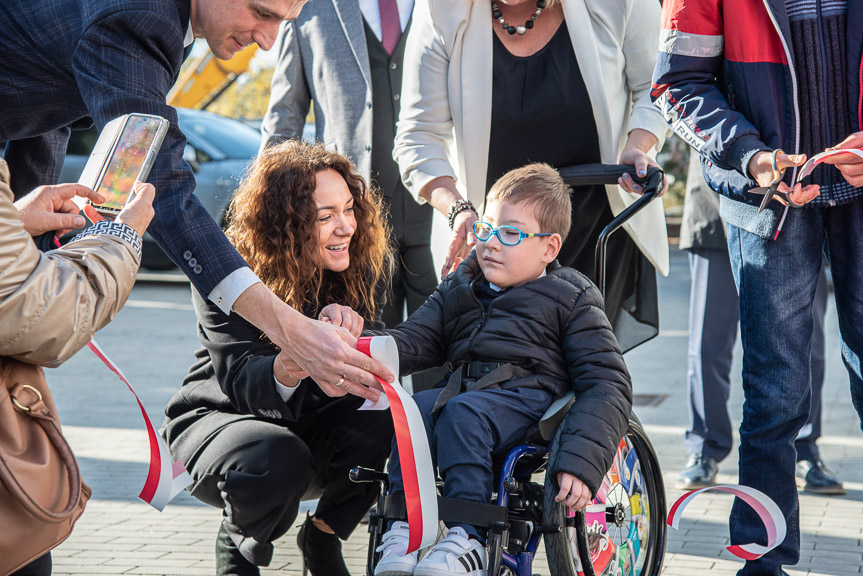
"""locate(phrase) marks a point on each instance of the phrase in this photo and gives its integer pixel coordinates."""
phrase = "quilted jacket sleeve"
(598, 419)
(52, 303)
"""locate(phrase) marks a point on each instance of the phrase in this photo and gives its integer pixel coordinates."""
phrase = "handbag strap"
(37, 410)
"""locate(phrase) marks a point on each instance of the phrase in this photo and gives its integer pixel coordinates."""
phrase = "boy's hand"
(342, 316)
(573, 492)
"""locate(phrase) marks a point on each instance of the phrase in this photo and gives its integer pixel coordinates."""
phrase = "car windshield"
(230, 137)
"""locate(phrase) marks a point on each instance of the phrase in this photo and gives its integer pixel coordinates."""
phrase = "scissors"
(773, 190)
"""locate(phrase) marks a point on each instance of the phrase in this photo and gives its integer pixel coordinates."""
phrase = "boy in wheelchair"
(518, 331)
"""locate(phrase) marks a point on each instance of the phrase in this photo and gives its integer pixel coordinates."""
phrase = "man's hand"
(761, 170)
(137, 213)
(343, 316)
(850, 165)
(635, 153)
(327, 353)
(573, 492)
(51, 209)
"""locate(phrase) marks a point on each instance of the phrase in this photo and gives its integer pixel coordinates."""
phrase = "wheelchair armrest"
(554, 415)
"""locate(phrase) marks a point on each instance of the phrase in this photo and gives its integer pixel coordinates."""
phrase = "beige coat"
(52, 304)
(445, 116)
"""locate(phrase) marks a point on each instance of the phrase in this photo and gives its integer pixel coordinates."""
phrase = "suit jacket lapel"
(584, 43)
(351, 18)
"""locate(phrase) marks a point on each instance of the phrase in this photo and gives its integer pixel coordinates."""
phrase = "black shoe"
(813, 476)
(322, 552)
(229, 560)
(700, 472)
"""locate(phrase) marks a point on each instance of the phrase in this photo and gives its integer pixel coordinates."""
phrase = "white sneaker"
(455, 554)
(395, 561)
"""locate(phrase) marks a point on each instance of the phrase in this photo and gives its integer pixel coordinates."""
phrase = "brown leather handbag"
(41, 490)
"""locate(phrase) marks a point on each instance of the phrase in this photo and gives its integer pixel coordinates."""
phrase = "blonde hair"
(541, 188)
(272, 224)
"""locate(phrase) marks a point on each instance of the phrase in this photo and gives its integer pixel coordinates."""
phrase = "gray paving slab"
(153, 338)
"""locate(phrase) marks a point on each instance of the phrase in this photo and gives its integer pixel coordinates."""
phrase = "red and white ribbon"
(766, 509)
(413, 446)
(165, 478)
(810, 164)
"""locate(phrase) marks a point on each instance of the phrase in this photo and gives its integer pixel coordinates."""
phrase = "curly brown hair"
(272, 221)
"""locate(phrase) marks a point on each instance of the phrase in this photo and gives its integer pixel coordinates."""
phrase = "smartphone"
(124, 153)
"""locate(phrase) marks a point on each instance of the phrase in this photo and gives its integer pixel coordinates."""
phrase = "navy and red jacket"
(726, 82)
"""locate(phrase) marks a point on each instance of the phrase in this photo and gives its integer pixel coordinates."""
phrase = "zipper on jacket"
(485, 313)
(793, 88)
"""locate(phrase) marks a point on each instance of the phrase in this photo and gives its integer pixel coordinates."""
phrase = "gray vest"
(405, 213)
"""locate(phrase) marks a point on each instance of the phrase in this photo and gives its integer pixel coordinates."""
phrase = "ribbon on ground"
(412, 443)
(810, 164)
(766, 509)
(165, 478)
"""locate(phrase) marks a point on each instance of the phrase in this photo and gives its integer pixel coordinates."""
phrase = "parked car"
(217, 148)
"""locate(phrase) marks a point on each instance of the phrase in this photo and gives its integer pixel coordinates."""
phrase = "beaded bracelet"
(458, 207)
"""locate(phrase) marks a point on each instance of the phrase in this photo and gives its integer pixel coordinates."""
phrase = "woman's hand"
(850, 165)
(635, 153)
(761, 170)
(288, 372)
(50, 208)
(462, 241)
(137, 213)
(343, 316)
(573, 492)
(443, 193)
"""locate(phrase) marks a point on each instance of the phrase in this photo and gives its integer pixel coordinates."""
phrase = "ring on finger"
(340, 382)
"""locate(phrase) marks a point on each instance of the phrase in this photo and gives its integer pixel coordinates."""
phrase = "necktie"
(391, 29)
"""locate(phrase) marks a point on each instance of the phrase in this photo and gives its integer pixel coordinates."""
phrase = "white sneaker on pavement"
(394, 560)
(455, 554)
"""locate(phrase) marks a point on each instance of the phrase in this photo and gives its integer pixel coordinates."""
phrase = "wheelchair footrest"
(450, 511)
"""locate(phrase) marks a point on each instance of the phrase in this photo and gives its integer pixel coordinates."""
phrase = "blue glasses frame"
(483, 231)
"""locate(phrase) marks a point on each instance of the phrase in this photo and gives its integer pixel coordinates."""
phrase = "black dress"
(541, 112)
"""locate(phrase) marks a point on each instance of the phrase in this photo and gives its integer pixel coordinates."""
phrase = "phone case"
(106, 147)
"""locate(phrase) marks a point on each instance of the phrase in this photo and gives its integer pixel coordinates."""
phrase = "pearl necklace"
(520, 30)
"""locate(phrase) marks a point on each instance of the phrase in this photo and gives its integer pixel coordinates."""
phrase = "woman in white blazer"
(478, 99)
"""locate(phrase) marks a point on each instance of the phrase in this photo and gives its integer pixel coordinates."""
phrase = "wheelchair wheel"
(622, 533)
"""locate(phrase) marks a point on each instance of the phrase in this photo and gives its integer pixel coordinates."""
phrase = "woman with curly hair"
(257, 434)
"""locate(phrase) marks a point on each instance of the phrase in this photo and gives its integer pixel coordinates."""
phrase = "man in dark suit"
(67, 63)
(345, 57)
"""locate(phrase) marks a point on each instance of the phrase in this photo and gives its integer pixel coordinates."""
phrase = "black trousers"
(259, 470)
(41, 566)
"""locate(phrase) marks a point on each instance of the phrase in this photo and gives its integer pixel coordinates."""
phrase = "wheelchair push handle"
(596, 174)
(588, 174)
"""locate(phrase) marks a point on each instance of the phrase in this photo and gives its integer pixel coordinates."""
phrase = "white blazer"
(445, 119)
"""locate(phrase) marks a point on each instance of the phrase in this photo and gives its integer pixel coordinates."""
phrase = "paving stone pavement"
(153, 338)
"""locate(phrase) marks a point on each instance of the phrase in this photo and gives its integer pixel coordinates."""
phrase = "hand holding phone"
(137, 213)
(124, 154)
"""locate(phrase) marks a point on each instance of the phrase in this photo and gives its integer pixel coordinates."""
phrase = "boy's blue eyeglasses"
(508, 235)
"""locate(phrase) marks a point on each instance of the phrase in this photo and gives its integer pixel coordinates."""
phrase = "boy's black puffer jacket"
(554, 327)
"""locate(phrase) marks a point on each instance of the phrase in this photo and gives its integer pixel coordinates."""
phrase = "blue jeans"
(713, 321)
(776, 281)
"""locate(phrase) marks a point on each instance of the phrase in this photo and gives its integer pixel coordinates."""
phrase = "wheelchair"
(621, 533)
